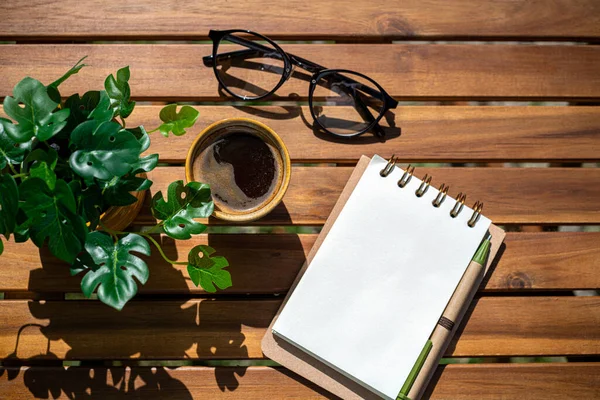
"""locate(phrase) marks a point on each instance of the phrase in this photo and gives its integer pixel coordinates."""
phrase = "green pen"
(403, 395)
(443, 331)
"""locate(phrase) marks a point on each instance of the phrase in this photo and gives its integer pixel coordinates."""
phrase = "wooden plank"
(406, 71)
(427, 133)
(259, 264)
(548, 381)
(547, 261)
(516, 381)
(511, 195)
(233, 329)
(399, 19)
(268, 264)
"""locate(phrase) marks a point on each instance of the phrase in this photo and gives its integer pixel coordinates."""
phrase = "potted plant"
(67, 166)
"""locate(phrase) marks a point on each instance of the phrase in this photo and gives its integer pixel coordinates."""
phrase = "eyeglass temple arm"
(254, 49)
(366, 114)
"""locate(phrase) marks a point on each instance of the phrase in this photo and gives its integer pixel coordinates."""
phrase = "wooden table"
(450, 58)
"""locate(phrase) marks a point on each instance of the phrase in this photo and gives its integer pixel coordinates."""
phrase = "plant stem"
(122, 122)
(160, 250)
(147, 236)
(20, 175)
(111, 232)
(155, 227)
(14, 171)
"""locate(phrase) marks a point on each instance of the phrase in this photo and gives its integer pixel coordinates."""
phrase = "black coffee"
(242, 170)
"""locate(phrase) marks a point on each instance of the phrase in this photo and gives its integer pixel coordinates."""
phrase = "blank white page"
(380, 281)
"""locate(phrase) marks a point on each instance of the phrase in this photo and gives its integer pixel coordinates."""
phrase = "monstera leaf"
(51, 215)
(43, 164)
(208, 271)
(177, 122)
(44, 172)
(103, 150)
(183, 205)
(116, 192)
(111, 267)
(9, 205)
(53, 87)
(89, 203)
(148, 163)
(11, 152)
(49, 156)
(103, 110)
(36, 117)
(93, 105)
(118, 90)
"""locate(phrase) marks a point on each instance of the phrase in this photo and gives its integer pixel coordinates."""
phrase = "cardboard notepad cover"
(335, 364)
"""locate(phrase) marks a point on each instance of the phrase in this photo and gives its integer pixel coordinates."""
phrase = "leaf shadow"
(165, 321)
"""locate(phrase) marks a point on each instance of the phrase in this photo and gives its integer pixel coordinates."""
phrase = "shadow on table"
(166, 324)
(388, 122)
(290, 112)
(85, 382)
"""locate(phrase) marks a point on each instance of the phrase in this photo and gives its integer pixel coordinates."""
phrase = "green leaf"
(114, 267)
(103, 150)
(89, 203)
(1, 247)
(177, 122)
(50, 157)
(142, 136)
(103, 110)
(9, 205)
(184, 204)
(208, 271)
(119, 92)
(74, 69)
(11, 152)
(36, 117)
(52, 89)
(51, 214)
(148, 163)
(145, 164)
(83, 108)
(22, 229)
(116, 192)
(44, 172)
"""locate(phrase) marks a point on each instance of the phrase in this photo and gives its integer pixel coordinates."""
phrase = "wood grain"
(426, 133)
(550, 381)
(268, 264)
(511, 195)
(406, 71)
(233, 329)
(149, 19)
(516, 381)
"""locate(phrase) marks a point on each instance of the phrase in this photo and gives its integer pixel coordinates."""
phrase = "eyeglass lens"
(346, 103)
(248, 72)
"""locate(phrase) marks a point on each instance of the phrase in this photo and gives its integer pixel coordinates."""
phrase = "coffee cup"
(246, 164)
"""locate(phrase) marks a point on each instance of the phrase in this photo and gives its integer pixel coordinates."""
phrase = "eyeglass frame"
(290, 61)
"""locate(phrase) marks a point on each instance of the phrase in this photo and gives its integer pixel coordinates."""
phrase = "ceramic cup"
(246, 165)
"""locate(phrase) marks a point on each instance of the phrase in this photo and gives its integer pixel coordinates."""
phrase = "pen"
(443, 330)
(414, 372)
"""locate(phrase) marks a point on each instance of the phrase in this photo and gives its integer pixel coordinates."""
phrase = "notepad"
(381, 279)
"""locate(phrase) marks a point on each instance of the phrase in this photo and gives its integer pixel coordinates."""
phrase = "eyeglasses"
(250, 66)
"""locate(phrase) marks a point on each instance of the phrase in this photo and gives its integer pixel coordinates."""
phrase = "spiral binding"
(443, 191)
